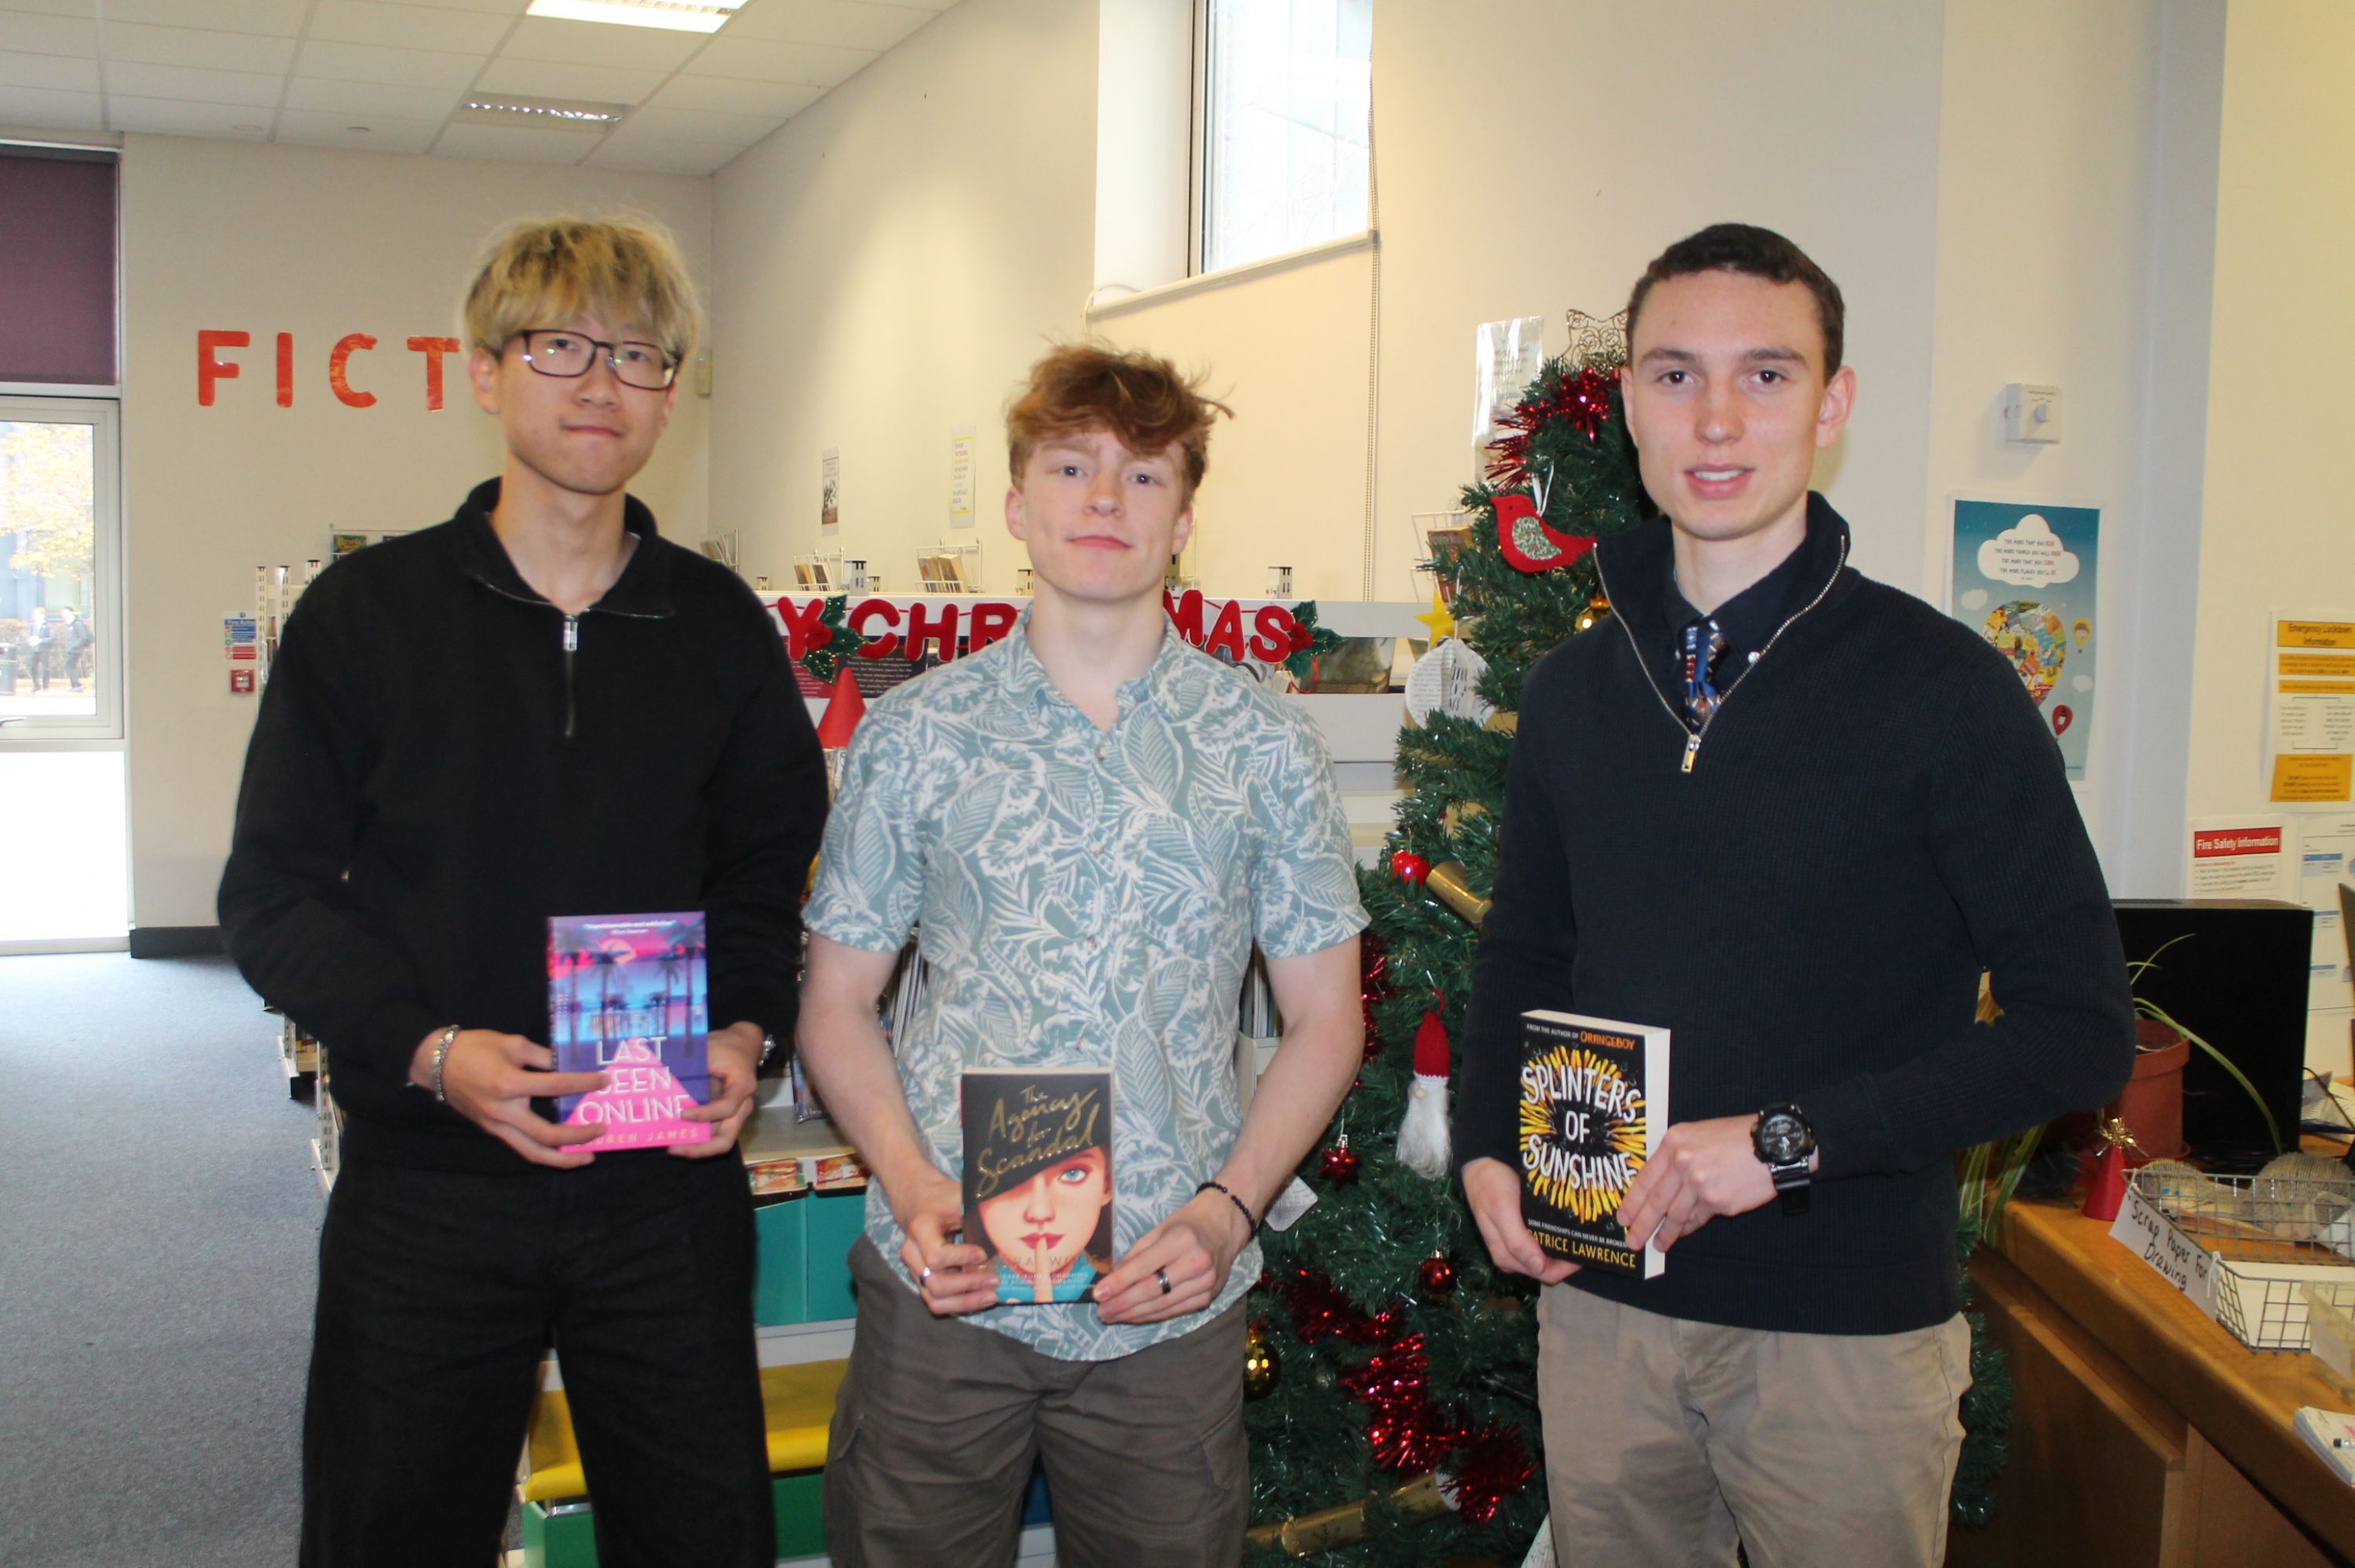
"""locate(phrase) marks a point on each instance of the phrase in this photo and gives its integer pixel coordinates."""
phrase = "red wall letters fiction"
(343, 363)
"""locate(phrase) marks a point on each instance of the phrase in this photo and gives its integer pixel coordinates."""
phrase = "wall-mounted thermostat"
(2032, 413)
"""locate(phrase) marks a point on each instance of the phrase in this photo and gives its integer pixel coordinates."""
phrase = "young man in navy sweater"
(1791, 814)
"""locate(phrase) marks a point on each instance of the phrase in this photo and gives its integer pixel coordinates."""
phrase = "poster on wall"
(2025, 577)
(2239, 857)
(2325, 860)
(961, 445)
(829, 507)
(1506, 357)
(2310, 710)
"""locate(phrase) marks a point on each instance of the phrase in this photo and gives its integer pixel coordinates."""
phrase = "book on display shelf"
(1038, 1179)
(628, 995)
(1595, 1101)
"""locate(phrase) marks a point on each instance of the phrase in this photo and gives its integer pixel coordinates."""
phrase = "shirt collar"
(1751, 617)
(642, 589)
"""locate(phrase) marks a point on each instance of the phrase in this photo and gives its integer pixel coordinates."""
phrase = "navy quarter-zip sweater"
(1805, 898)
(442, 759)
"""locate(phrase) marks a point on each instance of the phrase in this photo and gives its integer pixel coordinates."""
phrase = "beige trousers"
(1667, 1442)
(938, 1420)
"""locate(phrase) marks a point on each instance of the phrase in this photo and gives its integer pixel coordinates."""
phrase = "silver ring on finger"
(925, 1277)
(1162, 1275)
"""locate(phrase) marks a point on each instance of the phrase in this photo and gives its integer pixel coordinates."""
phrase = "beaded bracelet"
(440, 1057)
(1241, 1207)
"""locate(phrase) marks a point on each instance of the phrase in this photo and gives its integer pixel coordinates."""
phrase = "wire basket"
(2273, 1240)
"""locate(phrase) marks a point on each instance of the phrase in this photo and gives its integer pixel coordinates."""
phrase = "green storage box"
(564, 1535)
(802, 1271)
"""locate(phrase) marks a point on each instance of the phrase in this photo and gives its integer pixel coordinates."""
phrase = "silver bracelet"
(441, 1057)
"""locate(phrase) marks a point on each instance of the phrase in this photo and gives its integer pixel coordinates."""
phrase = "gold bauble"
(1596, 609)
(1259, 1368)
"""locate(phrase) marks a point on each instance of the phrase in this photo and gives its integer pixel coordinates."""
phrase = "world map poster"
(2024, 578)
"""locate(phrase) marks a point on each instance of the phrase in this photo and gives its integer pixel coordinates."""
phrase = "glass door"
(61, 773)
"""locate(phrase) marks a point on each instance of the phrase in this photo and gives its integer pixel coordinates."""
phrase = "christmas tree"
(1392, 1376)
(1393, 1373)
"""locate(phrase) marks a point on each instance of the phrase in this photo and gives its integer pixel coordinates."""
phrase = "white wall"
(1287, 485)
(2046, 219)
(264, 239)
(2275, 532)
(890, 263)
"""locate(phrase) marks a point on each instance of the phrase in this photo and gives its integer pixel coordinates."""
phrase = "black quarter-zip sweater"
(442, 759)
(1875, 814)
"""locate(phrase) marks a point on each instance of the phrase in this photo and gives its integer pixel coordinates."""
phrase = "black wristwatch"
(1785, 1140)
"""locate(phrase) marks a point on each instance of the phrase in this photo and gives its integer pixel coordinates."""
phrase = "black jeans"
(438, 1294)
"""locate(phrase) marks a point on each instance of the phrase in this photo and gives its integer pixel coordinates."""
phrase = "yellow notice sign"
(2288, 634)
(2338, 665)
(2312, 780)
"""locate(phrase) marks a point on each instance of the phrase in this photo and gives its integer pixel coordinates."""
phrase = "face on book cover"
(1728, 401)
(587, 434)
(1101, 520)
(1043, 1223)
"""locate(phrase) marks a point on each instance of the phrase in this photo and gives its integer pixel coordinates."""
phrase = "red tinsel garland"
(1583, 399)
(1490, 1466)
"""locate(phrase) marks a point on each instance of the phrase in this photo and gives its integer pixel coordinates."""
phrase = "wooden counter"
(2144, 1434)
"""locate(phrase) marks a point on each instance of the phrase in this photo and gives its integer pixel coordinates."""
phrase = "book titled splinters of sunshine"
(1595, 1101)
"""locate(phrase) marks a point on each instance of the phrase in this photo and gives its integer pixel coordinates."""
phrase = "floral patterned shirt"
(1087, 898)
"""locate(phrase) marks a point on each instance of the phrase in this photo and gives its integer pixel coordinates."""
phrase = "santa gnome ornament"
(1423, 1135)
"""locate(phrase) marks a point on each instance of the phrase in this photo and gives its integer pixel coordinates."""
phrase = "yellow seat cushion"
(798, 1401)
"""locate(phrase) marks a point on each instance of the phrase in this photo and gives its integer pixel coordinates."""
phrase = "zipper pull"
(572, 641)
(1692, 749)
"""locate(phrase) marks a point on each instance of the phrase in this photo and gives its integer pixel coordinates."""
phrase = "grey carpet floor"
(158, 1223)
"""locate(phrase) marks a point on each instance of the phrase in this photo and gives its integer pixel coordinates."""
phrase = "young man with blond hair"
(1792, 815)
(1092, 823)
(540, 707)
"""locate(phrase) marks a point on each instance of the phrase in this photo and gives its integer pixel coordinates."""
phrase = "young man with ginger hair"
(1093, 821)
(540, 707)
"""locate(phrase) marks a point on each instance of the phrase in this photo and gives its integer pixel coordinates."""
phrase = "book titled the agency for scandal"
(628, 995)
(1595, 1101)
(1038, 1178)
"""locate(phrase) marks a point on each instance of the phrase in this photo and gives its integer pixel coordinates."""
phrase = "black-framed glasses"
(554, 351)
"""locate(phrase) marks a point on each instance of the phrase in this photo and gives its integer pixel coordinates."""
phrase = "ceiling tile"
(408, 27)
(515, 145)
(768, 60)
(328, 128)
(172, 117)
(549, 78)
(660, 155)
(54, 73)
(279, 18)
(845, 23)
(192, 86)
(701, 125)
(433, 104)
(47, 35)
(403, 68)
(199, 46)
(499, 7)
(602, 43)
(57, 110)
(728, 95)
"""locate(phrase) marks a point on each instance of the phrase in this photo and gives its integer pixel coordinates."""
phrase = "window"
(1286, 95)
(59, 659)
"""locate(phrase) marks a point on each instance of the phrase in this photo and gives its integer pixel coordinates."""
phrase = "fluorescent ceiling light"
(679, 16)
(551, 113)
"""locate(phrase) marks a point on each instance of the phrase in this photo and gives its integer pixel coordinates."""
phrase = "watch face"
(1782, 1136)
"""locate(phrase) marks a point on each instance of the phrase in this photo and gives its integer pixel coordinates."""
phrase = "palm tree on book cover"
(566, 952)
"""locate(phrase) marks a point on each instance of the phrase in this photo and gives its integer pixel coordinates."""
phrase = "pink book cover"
(628, 997)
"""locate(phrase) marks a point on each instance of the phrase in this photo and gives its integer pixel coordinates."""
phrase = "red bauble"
(1342, 1162)
(1410, 868)
(1436, 1275)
